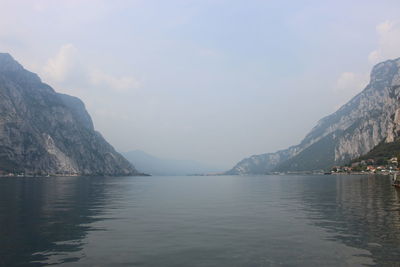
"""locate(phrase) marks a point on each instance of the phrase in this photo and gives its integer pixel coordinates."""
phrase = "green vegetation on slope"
(318, 156)
(382, 152)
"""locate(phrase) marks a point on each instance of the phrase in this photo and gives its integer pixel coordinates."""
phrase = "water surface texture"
(200, 221)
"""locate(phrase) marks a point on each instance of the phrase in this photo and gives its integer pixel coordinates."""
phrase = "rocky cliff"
(44, 132)
(370, 117)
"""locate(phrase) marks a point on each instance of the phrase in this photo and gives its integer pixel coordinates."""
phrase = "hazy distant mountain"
(369, 118)
(157, 166)
(43, 132)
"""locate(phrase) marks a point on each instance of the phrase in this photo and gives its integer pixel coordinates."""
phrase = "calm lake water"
(200, 221)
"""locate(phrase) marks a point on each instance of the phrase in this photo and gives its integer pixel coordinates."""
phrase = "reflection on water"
(362, 212)
(45, 216)
(200, 221)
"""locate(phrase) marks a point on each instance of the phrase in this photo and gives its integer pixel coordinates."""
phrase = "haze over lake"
(200, 221)
(188, 133)
(209, 81)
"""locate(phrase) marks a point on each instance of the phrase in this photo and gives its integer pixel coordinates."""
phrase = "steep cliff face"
(369, 118)
(43, 132)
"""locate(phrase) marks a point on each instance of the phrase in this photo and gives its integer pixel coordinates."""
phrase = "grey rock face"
(43, 132)
(260, 164)
(369, 118)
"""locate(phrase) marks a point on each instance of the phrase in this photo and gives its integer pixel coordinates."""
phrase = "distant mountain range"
(46, 133)
(371, 117)
(158, 166)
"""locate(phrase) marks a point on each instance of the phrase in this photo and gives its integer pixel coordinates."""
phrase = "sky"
(208, 80)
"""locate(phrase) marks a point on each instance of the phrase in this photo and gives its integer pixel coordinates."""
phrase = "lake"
(255, 221)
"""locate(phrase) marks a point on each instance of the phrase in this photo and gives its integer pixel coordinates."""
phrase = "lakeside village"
(383, 166)
(38, 174)
(372, 166)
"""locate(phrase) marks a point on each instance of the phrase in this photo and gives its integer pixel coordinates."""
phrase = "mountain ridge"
(44, 132)
(370, 117)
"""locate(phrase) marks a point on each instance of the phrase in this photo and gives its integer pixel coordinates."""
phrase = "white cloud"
(348, 84)
(64, 70)
(123, 83)
(60, 67)
(388, 43)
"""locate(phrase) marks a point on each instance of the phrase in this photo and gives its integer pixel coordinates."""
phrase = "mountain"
(44, 132)
(159, 166)
(369, 118)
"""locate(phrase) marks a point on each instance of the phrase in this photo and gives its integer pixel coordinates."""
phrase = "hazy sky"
(208, 80)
